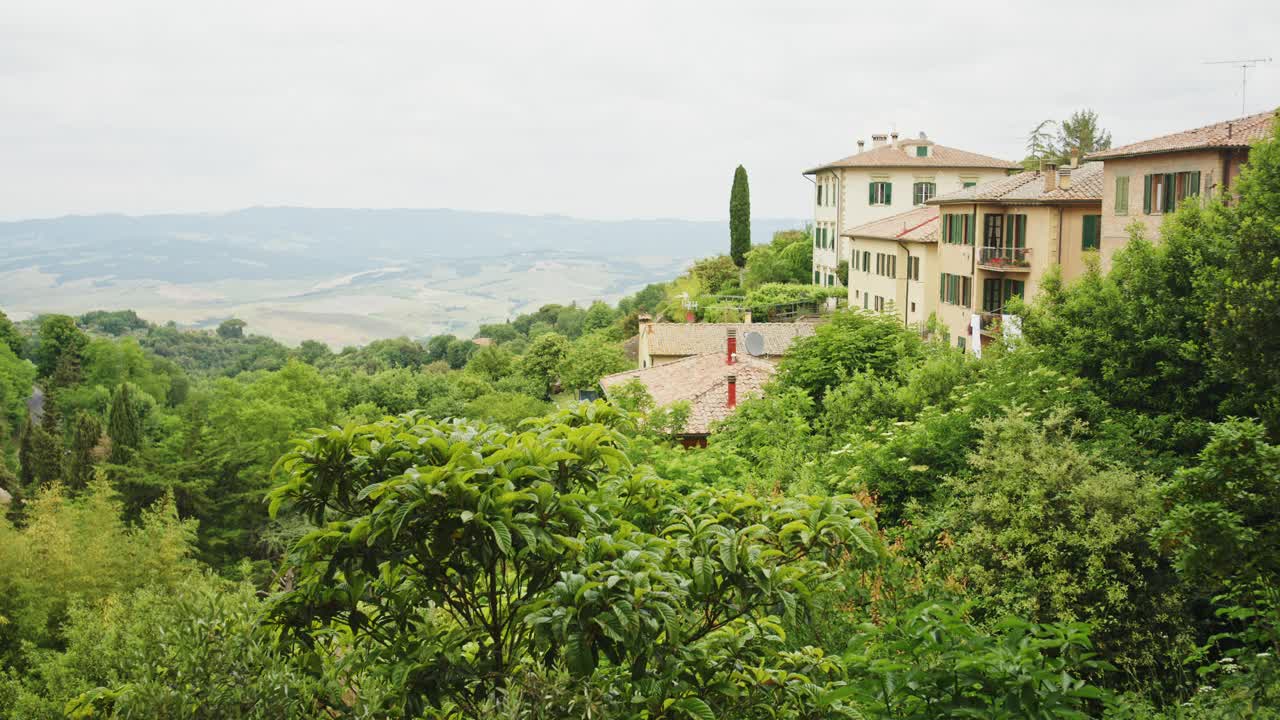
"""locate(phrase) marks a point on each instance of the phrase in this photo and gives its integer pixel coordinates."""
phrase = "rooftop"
(918, 224)
(1237, 133)
(900, 154)
(1028, 189)
(701, 381)
(698, 338)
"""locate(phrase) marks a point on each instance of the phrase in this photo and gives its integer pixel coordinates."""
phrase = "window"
(993, 230)
(913, 267)
(1122, 195)
(1017, 230)
(1162, 192)
(960, 343)
(817, 278)
(997, 291)
(866, 261)
(956, 289)
(881, 193)
(831, 280)
(968, 184)
(957, 229)
(1091, 237)
(887, 265)
(922, 151)
(923, 191)
(820, 185)
(913, 307)
(879, 306)
(866, 301)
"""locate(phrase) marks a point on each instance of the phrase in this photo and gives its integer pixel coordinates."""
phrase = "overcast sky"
(594, 109)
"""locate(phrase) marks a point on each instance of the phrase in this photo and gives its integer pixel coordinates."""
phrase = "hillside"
(341, 275)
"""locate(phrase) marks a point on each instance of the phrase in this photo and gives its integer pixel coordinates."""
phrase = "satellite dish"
(754, 343)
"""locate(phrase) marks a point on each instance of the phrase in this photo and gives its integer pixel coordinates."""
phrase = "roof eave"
(1103, 157)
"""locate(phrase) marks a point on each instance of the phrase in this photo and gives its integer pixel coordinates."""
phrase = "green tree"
(851, 342)
(58, 336)
(1041, 529)
(491, 362)
(787, 259)
(541, 548)
(231, 329)
(124, 424)
(599, 317)
(716, 273)
(739, 218)
(541, 360)
(9, 335)
(17, 377)
(1081, 135)
(86, 435)
(588, 359)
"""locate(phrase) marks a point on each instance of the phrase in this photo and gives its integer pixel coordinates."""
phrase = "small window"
(922, 151)
(913, 307)
(881, 193)
(817, 278)
(820, 193)
(924, 191)
(1092, 234)
(960, 343)
(969, 183)
(1122, 195)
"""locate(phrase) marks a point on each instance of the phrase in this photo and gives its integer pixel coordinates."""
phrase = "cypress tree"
(85, 437)
(27, 455)
(739, 218)
(124, 426)
(47, 452)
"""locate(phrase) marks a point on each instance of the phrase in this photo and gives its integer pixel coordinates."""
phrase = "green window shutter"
(1194, 186)
(1146, 194)
(1022, 231)
(871, 194)
(1087, 234)
(1122, 195)
(1170, 186)
(888, 193)
(922, 151)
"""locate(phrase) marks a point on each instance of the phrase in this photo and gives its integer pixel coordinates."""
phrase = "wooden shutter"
(1122, 195)
(1090, 233)
(1146, 194)
(1170, 189)
(888, 193)
(871, 194)
(1194, 185)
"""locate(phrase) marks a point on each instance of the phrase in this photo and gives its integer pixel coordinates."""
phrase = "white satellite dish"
(754, 343)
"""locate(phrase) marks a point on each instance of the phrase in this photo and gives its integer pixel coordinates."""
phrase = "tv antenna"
(1245, 66)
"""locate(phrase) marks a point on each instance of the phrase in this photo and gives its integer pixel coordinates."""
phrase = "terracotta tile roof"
(701, 381)
(1028, 189)
(918, 224)
(1240, 132)
(900, 155)
(697, 338)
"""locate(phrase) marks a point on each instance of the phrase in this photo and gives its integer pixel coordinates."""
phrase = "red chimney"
(689, 317)
(733, 390)
(733, 346)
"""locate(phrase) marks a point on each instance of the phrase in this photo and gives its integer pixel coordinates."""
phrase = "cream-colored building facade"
(1144, 181)
(892, 176)
(893, 265)
(997, 240)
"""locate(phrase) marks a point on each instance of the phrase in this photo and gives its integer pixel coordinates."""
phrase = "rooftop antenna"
(1245, 66)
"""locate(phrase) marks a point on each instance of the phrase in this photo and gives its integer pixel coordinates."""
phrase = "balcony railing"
(1005, 258)
(990, 323)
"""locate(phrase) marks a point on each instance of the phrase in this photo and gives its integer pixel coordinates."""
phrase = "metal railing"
(1013, 257)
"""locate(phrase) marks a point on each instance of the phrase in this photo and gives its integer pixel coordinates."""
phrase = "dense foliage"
(1085, 523)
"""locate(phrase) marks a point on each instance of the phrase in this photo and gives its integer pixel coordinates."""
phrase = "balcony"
(990, 323)
(1005, 259)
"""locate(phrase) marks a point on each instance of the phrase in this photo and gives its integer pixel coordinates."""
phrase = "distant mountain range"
(342, 275)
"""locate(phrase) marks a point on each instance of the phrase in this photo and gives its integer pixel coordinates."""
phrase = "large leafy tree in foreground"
(458, 556)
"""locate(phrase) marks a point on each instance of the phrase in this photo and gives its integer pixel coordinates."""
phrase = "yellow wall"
(1046, 225)
(1115, 227)
(900, 294)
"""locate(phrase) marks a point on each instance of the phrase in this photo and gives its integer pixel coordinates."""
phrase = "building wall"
(852, 207)
(1115, 232)
(910, 300)
(1046, 225)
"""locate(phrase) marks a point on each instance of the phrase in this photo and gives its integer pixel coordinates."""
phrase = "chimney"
(1050, 177)
(923, 136)
(746, 316)
(733, 390)
(879, 140)
(689, 317)
(1075, 158)
(732, 345)
(861, 144)
(644, 318)
(894, 137)
(1064, 178)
